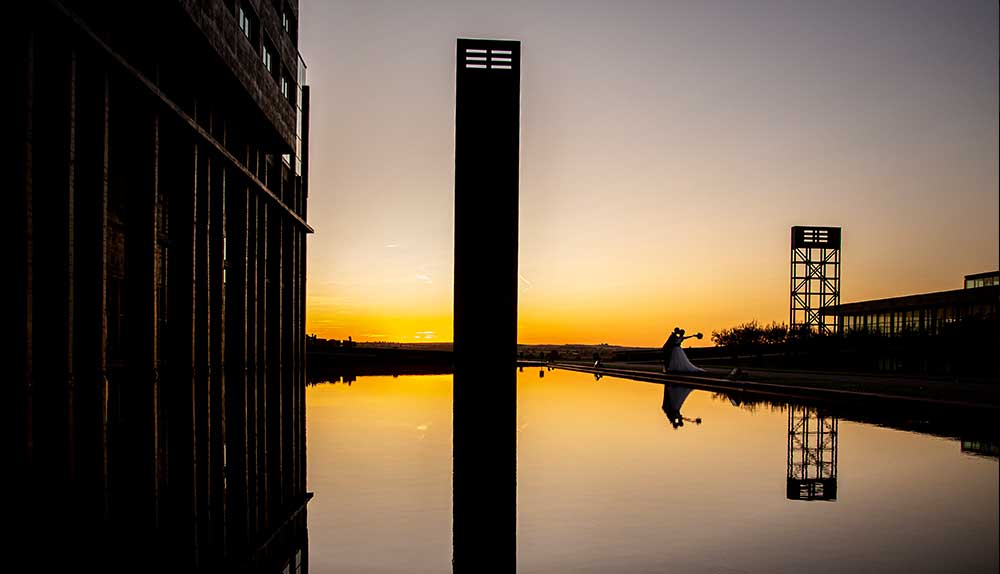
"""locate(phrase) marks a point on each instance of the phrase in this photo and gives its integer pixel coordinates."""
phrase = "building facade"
(921, 314)
(982, 279)
(158, 235)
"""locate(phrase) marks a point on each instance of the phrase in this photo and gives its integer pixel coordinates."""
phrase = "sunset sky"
(666, 150)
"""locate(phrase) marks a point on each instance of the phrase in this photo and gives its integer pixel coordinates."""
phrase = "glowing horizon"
(666, 152)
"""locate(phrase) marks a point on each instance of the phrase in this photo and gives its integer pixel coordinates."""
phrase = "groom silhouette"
(672, 341)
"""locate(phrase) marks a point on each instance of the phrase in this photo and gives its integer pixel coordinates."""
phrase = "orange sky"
(666, 150)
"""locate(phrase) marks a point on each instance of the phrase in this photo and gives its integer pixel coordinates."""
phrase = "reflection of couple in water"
(674, 359)
(673, 400)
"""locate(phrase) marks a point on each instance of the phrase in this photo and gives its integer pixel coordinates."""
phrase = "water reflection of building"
(158, 223)
(812, 454)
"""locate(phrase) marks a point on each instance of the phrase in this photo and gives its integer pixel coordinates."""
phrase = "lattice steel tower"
(812, 454)
(815, 276)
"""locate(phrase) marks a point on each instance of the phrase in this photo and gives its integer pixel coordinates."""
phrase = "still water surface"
(607, 484)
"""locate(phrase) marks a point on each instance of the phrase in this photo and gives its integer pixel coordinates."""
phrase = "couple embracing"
(674, 358)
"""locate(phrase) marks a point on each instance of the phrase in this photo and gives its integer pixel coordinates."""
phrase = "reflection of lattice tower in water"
(812, 454)
(815, 276)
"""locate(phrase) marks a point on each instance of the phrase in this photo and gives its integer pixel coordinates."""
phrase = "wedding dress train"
(679, 362)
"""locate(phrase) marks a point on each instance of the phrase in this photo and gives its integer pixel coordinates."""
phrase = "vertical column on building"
(85, 307)
(274, 382)
(296, 358)
(18, 406)
(135, 469)
(180, 176)
(301, 273)
(289, 334)
(49, 204)
(303, 361)
(103, 388)
(263, 376)
(216, 344)
(70, 286)
(236, 367)
(287, 381)
(252, 371)
(202, 362)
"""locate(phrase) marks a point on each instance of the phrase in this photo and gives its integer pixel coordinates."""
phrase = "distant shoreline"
(773, 373)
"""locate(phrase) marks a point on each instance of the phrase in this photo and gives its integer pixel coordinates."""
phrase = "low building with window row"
(925, 313)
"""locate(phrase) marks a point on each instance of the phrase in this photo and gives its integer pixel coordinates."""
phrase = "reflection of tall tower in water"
(812, 454)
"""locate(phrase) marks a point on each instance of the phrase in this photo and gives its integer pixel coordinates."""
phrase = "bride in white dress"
(674, 358)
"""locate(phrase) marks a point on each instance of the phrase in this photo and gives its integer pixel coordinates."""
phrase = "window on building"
(265, 56)
(268, 55)
(245, 23)
(225, 260)
(288, 23)
(249, 24)
(288, 87)
(984, 280)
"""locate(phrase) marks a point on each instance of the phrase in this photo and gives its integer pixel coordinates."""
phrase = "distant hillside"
(569, 351)
(447, 346)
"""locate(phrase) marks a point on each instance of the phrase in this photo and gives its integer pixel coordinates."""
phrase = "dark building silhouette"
(923, 313)
(948, 332)
(815, 276)
(988, 279)
(487, 111)
(157, 229)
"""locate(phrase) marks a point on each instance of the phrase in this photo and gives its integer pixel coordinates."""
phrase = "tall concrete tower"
(487, 126)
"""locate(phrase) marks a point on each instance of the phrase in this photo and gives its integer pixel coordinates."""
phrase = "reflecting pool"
(624, 476)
